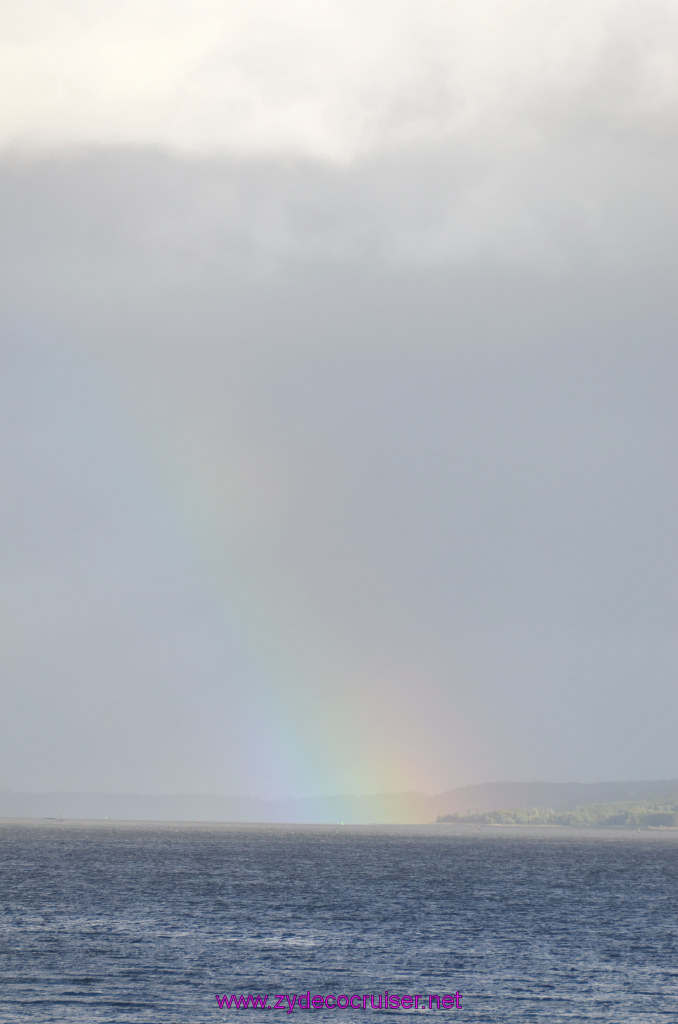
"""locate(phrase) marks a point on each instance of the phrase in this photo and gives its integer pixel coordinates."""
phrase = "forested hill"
(633, 805)
(556, 796)
(627, 815)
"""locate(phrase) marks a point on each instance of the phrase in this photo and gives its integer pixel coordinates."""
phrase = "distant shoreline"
(559, 826)
(334, 826)
(629, 803)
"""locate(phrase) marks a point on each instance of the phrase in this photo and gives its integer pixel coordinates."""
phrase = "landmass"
(625, 815)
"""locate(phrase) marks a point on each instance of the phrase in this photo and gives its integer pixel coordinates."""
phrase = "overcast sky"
(337, 394)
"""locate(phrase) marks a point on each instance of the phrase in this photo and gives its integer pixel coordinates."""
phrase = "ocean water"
(148, 923)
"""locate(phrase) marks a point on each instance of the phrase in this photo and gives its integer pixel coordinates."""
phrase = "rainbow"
(321, 719)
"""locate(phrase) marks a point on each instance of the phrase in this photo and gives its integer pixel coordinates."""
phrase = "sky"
(337, 394)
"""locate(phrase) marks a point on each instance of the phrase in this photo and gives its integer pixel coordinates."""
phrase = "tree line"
(630, 815)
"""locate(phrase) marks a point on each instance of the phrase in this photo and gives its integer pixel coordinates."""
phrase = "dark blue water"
(146, 923)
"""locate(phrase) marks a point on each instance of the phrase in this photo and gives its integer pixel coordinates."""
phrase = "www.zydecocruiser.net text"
(368, 1001)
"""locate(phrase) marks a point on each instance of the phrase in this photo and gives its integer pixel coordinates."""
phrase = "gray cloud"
(420, 409)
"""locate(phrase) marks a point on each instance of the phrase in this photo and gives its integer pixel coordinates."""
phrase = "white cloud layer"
(325, 78)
